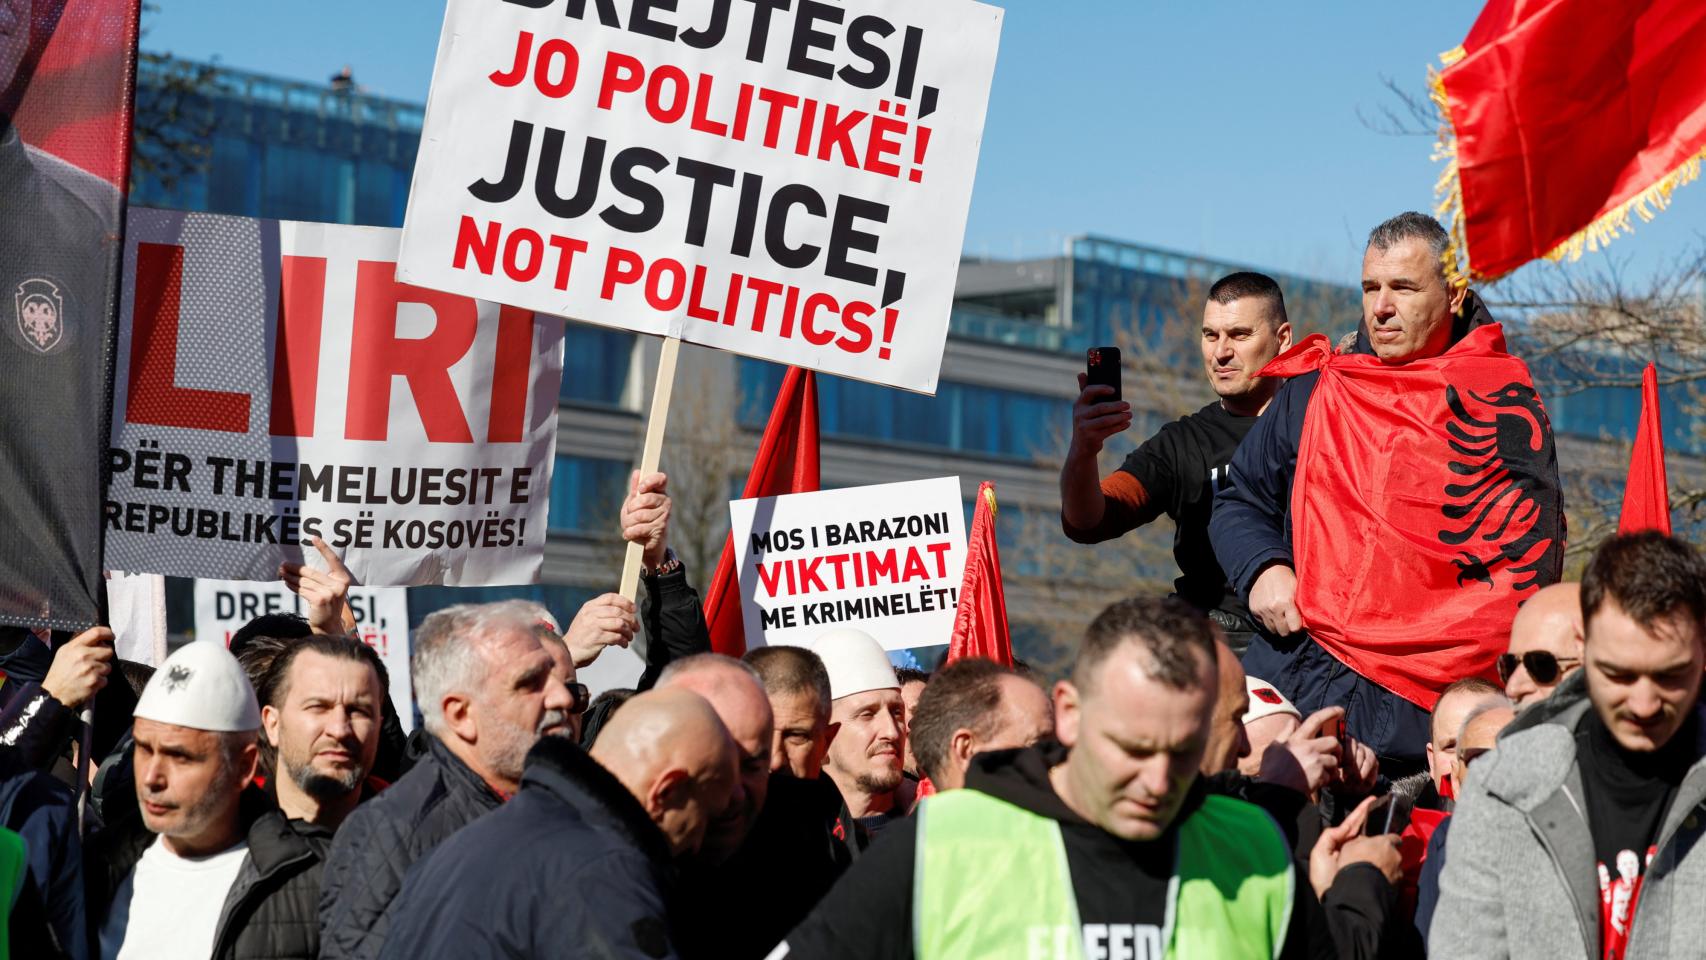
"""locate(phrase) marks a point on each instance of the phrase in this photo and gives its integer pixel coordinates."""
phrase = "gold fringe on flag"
(1448, 188)
(1595, 236)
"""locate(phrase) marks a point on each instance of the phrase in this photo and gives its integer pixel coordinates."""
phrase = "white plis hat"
(1265, 701)
(202, 687)
(856, 662)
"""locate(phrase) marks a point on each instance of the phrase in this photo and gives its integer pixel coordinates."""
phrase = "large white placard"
(275, 382)
(786, 181)
(381, 616)
(887, 559)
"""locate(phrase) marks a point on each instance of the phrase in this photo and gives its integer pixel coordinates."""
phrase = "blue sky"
(1229, 129)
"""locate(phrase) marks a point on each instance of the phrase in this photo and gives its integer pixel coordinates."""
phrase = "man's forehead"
(855, 702)
(155, 733)
(1449, 711)
(1410, 257)
(312, 669)
(1483, 731)
(1242, 312)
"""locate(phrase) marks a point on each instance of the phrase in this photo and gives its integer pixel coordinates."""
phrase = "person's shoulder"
(94, 197)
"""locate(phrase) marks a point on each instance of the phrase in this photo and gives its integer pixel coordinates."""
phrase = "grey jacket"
(1520, 879)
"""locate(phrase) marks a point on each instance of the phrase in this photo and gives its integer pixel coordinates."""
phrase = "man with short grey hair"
(488, 688)
(1433, 456)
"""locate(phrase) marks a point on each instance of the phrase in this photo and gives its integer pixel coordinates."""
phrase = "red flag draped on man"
(786, 462)
(1426, 488)
(1564, 118)
(980, 622)
(1646, 494)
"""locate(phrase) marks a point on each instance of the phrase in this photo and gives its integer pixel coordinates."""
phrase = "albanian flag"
(980, 622)
(1565, 117)
(66, 74)
(786, 462)
(1425, 508)
(1646, 495)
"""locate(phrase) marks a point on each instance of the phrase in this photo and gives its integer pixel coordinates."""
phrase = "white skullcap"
(856, 662)
(1265, 701)
(202, 687)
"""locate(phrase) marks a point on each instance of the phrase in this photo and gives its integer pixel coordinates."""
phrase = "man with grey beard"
(488, 687)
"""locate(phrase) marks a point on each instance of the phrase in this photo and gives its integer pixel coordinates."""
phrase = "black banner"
(67, 68)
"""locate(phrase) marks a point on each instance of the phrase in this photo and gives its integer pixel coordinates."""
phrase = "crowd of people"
(1211, 779)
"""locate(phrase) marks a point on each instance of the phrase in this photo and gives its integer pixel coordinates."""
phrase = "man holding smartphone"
(1177, 471)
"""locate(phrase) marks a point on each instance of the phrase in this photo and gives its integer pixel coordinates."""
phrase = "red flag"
(786, 462)
(1425, 507)
(1646, 496)
(980, 622)
(1563, 118)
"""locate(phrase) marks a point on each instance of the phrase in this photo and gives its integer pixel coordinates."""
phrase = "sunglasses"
(582, 697)
(1542, 666)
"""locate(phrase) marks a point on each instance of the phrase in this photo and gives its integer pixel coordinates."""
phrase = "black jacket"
(386, 836)
(570, 867)
(789, 861)
(270, 911)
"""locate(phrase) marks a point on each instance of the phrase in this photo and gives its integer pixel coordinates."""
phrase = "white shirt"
(168, 907)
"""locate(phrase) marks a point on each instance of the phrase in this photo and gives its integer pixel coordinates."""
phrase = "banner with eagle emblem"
(67, 68)
(1426, 507)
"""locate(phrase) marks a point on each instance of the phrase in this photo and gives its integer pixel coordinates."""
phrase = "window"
(586, 494)
(595, 364)
(563, 601)
(979, 420)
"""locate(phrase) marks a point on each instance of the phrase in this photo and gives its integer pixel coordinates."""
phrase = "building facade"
(1018, 334)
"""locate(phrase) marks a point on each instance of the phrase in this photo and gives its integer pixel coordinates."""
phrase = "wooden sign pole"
(652, 452)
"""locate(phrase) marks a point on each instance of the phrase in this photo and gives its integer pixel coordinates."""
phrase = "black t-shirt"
(1181, 468)
(1627, 797)
(1121, 886)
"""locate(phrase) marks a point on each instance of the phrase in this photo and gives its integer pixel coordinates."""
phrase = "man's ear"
(1284, 333)
(829, 733)
(1067, 701)
(458, 712)
(962, 745)
(1458, 295)
(249, 761)
(269, 723)
(668, 792)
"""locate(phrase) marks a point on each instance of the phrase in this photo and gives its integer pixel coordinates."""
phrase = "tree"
(175, 116)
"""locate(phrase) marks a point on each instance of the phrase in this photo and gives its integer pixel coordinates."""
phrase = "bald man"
(584, 853)
(1478, 734)
(736, 692)
(1546, 644)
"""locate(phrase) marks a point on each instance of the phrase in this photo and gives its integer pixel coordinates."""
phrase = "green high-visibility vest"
(991, 881)
(14, 860)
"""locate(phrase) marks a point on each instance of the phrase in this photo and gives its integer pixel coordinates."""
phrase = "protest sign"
(783, 181)
(275, 383)
(381, 616)
(67, 77)
(886, 559)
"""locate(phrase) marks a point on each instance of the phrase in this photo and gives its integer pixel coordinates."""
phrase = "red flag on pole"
(980, 622)
(786, 462)
(1563, 118)
(1646, 495)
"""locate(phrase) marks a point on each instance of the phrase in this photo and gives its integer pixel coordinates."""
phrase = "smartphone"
(1390, 814)
(1102, 367)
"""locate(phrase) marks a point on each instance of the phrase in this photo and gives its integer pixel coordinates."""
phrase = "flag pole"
(652, 452)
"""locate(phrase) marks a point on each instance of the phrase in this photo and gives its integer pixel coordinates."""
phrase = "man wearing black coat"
(581, 861)
(488, 689)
